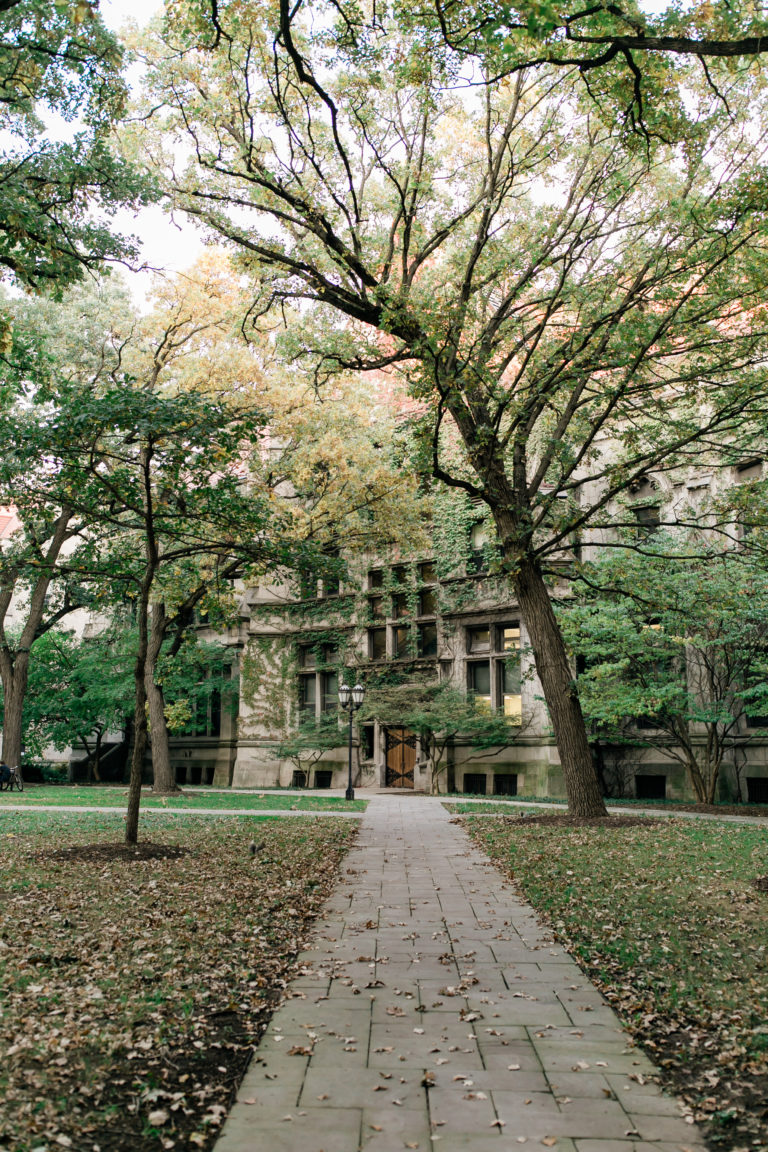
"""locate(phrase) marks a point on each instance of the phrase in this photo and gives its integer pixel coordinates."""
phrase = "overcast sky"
(168, 244)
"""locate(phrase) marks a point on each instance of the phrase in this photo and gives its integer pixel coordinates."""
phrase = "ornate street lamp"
(351, 699)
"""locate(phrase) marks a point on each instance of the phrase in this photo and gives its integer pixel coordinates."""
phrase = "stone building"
(445, 616)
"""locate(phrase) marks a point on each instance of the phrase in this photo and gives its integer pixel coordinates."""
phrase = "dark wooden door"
(401, 757)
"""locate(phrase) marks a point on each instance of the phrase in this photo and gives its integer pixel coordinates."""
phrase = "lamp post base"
(349, 794)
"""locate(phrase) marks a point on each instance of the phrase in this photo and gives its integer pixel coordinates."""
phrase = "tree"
(307, 744)
(678, 644)
(438, 713)
(29, 565)
(628, 57)
(60, 61)
(53, 350)
(566, 311)
(78, 692)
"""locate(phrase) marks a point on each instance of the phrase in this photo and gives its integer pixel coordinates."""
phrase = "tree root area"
(105, 853)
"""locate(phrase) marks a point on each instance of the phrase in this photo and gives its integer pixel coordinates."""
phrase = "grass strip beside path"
(133, 991)
(117, 797)
(665, 921)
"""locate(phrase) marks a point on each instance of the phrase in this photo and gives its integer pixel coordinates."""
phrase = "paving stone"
(415, 891)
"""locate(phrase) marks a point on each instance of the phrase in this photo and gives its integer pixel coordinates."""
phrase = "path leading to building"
(434, 1011)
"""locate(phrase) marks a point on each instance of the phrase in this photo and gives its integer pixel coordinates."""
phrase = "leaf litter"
(667, 920)
(136, 984)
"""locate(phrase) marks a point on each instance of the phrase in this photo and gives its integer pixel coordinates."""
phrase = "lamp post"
(351, 699)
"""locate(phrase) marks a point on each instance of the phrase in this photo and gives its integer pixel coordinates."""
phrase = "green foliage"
(58, 60)
(196, 671)
(307, 743)
(78, 689)
(633, 59)
(679, 642)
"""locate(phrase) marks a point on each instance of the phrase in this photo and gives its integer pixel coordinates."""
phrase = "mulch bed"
(104, 853)
(563, 820)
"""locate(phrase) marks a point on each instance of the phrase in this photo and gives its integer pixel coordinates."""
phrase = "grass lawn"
(117, 797)
(133, 990)
(665, 921)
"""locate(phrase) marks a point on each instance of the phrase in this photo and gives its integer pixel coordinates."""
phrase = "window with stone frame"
(415, 603)
(318, 681)
(493, 667)
(479, 538)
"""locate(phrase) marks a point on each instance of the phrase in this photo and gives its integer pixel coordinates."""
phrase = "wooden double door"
(401, 757)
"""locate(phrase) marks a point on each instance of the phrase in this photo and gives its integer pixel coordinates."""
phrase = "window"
(648, 519)
(757, 789)
(307, 697)
(376, 607)
(377, 643)
(479, 639)
(480, 682)
(375, 578)
(505, 784)
(308, 586)
(749, 470)
(401, 642)
(428, 602)
(650, 787)
(427, 572)
(477, 561)
(318, 681)
(400, 574)
(509, 690)
(368, 741)
(330, 699)
(331, 582)
(474, 783)
(427, 639)
(323, 777)
(495, 680)
(400, 606)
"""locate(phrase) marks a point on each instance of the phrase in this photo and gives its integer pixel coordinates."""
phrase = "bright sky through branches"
(166, 244)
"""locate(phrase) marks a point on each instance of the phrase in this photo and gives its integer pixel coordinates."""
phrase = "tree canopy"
(568, 311)
(61, 91)
(673, 649)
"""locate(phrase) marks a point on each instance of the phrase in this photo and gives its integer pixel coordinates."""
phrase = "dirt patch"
(105, 853)
(761, 883)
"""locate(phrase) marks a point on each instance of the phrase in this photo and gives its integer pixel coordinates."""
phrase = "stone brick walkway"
(435, 1012)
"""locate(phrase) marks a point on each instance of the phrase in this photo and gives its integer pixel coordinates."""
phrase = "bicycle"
(13, 781)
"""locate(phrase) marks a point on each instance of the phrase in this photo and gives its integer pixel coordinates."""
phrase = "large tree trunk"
(14, 664)
(15, 676)
(164, 777)
(581, 783)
